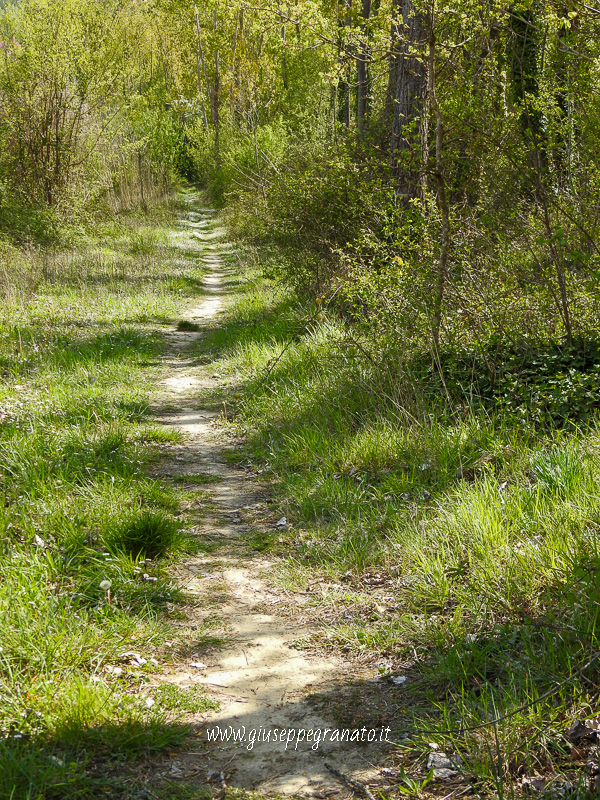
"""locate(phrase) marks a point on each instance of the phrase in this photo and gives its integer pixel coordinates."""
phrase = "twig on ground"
(354, 784)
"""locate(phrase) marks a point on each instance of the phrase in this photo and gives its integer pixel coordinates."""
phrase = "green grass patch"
(185, 699)
(146, 535)
(260, 541)
(198, 479)
(85, 535)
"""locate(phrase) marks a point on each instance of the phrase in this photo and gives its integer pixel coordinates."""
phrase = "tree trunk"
(215, 95)
(284, 69)
(409, 126)
(394, 60)
(344, 86)
(362, 91)
(214, 100)
(200, 61)
(442, 202)
(198, 67)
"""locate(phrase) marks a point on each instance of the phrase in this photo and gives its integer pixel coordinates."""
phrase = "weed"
(188, 699)
(198, 478)
(260, 541)
(411, 786)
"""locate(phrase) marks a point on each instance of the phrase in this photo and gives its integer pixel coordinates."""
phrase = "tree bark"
(200, 61)
(215, 95)
(394, 59)
(284, 70)
(344, 85)
(362, 91)
(442, 202)
(409, 125)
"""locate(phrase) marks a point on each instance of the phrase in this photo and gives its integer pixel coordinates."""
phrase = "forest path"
(260, 681)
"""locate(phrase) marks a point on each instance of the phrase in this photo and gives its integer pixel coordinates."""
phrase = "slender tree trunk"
(233, 84)
(215, 107)
(141, 178)
(215, 95)
(200, 62)
(442, 202)
(200, 56)
(344, 86)
(394, 60)
(284, 69)
(362, 91)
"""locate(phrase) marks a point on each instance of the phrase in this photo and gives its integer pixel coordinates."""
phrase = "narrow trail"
(260, 681)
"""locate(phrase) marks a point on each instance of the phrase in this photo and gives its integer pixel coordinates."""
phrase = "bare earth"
(260, 681)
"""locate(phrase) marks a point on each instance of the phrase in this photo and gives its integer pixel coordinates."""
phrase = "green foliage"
(243, 163)
(70, 137)
(552, 385)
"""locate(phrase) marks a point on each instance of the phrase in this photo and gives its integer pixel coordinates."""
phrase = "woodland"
(411, 189)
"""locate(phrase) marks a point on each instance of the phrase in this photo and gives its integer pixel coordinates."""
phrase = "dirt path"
(260, 681)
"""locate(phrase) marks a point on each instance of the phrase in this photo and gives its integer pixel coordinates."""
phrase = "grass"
(185, 699)
(463, 542)
(458, 547)
(197, 479)
(86, 536)
(148, 534)
(187, 325)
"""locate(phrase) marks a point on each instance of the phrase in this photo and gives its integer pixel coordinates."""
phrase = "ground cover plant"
(86, 535)
(451, 542)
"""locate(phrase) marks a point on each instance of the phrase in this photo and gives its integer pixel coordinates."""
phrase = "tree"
(409, 146)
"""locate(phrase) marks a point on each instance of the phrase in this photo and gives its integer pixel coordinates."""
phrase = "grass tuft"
(148, 535)
(187, 325)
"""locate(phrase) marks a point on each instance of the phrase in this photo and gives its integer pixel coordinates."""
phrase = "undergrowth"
(454, 523)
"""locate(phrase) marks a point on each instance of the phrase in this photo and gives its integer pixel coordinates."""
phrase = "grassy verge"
(85, 535)
(458, 549)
